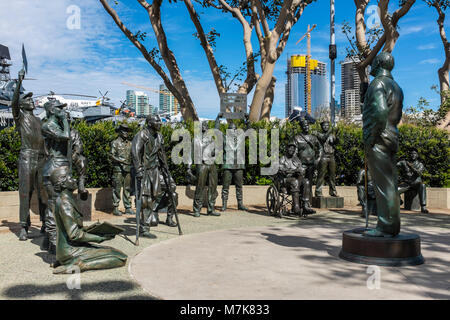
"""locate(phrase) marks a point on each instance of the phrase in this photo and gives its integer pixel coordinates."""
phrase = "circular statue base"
(402, 250)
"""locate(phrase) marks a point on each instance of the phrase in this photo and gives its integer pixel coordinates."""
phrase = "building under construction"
(296, 86)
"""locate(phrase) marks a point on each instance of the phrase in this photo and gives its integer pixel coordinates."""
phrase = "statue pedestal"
(84, 206)
(412, 201)
(402, 250)
(328, 202)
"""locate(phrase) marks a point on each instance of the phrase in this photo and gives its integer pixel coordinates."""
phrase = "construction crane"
(156, 91)
(308, 64)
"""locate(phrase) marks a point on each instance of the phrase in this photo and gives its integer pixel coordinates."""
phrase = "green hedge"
(433, 145)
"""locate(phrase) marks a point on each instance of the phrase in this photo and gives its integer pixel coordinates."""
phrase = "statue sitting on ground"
(73, 249)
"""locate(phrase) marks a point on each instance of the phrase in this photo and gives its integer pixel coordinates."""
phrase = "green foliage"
(433, 145)
(9, 158)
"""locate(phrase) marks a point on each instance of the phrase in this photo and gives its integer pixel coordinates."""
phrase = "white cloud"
(427, 46)
(430, 61)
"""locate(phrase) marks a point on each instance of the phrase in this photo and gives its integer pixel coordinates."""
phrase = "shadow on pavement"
(27, 291)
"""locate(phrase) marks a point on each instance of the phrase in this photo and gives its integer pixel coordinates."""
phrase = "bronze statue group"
(51, 150)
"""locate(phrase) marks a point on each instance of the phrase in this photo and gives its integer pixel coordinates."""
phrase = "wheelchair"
(278, 200)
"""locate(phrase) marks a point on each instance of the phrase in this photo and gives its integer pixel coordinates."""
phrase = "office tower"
(295, 90)
(137, 101)
(167, 102)
(350, 92)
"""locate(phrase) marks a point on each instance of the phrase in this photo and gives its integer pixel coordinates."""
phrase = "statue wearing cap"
(309, 151)
(411, 179)
(149, 157)
(291, 173)
(234, 164)
(56, 131)
(382, 112)
(121, 158)
(73, 249)
(327, 163)
(32, 155)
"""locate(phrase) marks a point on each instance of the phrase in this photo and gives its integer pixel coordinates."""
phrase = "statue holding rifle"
(154, 183)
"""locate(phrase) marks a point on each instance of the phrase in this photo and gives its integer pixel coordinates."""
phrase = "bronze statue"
(79, 160)
(206, 174)
(411, 179)
(32, 155)
(73, 248)
(291, 177)
(233, 171)
(382, 112)
(149, 159)
(309, 152)
(56, 131)
(327, 164)
(366, 200)
(121, 158)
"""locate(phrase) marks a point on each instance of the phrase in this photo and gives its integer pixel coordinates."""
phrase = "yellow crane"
(308, 61)
(156, 91)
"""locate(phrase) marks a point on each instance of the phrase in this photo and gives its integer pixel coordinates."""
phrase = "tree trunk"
(268, 100)
(260, 92)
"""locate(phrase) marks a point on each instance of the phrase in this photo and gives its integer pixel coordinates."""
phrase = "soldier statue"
(56, 131)
(234, 142)
(150, 163)
(411, 179)
(327, 163)
(382, 112)
(291, 176)
(79, 161)
(121, 158)
(73, 249)
(206, 174)
(366, 199)
(31, 157)
(309, 152)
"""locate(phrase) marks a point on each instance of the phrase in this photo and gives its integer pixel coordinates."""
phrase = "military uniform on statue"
(56, 131)
(234, 142)
(121, 158)
(411, 181)
(291, 173)
(309, 151)
(206, 173)
(73, 247)
(31, 158)
(149, 158)
(382, 113)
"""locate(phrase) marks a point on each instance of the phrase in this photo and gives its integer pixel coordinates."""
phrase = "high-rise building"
(167, 102)
(350, 97)
(138, 102)
(295, 89)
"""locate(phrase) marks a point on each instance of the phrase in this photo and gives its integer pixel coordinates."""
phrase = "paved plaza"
(239, 255)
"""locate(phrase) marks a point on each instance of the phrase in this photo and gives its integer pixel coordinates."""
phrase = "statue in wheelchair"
(283, 196)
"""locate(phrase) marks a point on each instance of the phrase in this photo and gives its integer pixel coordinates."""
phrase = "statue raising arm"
(16, 96)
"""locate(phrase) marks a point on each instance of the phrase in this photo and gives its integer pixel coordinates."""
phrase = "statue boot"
(129, 211)
(224, 199)
(196, 214)
(169, 221)
(23, 236)
(239, 198)
(213, 213)
(307, 208)
(296, 203)
(424, 209)
(51, 248)
(154, 219)
(116, 211)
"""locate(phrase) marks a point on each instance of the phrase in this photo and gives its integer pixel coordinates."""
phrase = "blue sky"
(99, 57)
